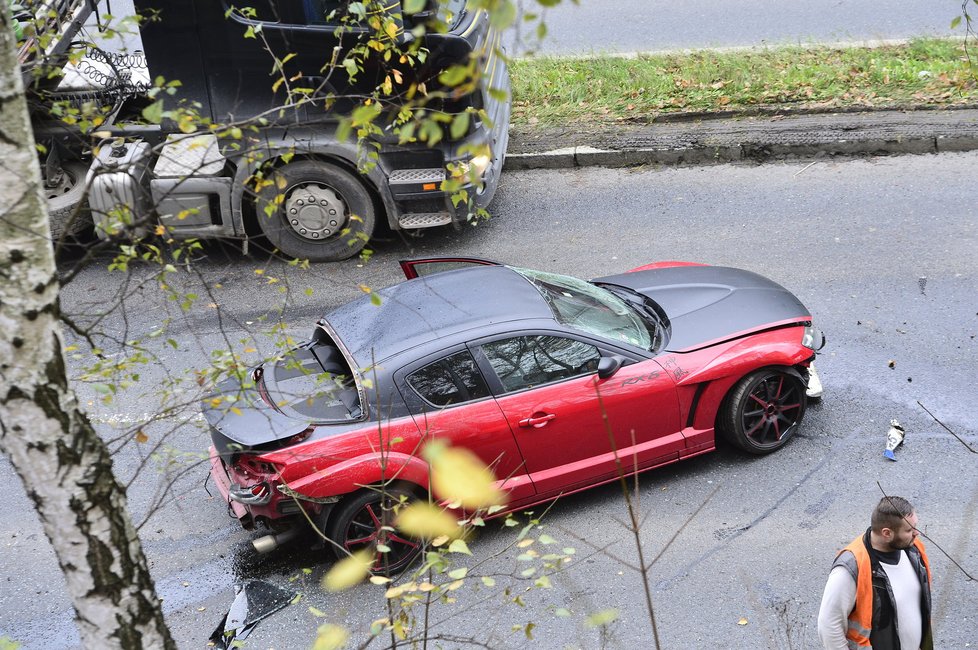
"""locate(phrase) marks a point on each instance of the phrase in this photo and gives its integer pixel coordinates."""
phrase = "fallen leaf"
(742, 621)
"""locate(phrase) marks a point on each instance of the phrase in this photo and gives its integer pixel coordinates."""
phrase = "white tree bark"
(63, 463)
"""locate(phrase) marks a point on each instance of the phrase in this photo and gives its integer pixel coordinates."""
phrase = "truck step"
(424, 219)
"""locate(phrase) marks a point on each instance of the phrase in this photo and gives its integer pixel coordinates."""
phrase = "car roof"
(432, 307)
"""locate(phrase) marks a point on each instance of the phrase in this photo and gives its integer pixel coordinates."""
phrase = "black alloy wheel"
(365, 520)
(763, 411)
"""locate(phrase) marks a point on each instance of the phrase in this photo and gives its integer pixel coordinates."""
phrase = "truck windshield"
(451, 11)
(590, 309)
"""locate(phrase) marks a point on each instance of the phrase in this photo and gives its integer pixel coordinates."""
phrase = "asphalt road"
(882, 251)
(643, 25)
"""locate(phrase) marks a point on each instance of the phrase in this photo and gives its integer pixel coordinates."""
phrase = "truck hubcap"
(315, 212)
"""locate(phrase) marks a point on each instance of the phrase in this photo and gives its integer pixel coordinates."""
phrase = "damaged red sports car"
(518, 366)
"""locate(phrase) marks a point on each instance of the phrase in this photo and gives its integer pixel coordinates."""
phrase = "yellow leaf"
(330, 637)
(742, 621)
(249, 350)
(724, 100)
(364, 288)
(160, 229)
(427, 521)
(141, 437)
(458, 476)
(259, 271)
(349, 571)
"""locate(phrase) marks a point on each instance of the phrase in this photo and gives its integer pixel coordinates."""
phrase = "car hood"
(709, 304)
(251, 423)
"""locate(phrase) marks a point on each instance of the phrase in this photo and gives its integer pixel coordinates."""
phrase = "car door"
(572, 427)
(449, 399)
(431, 265)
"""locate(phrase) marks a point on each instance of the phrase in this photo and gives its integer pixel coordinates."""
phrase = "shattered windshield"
(591, 309)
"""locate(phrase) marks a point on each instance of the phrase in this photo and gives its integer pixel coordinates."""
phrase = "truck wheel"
(64, 198)
(321, 212)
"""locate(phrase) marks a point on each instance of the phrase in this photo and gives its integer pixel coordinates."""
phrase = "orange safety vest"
(861, 616)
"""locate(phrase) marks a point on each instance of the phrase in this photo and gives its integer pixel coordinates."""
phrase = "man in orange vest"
(878, 592)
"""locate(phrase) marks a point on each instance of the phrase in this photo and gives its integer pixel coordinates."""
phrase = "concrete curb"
(753, 138)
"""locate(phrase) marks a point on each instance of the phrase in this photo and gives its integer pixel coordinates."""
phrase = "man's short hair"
(890, 512)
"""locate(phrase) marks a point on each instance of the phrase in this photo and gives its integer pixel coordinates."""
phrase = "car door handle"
(538, 421)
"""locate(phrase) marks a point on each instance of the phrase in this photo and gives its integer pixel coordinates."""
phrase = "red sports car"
(518, 366)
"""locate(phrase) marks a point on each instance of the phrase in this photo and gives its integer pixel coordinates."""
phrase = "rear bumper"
(223, 483)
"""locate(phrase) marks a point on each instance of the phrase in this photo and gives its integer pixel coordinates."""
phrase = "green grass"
(615, 89)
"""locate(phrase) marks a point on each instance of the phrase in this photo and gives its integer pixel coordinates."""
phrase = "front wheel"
(365, 520)
(763, 410)
(315, 210)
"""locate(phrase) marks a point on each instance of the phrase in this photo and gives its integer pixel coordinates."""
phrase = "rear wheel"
(365, 520)
(763, 410)
(66, 217)
(319, 211)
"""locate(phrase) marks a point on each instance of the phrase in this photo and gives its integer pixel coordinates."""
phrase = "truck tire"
(322, 212)
(63, 200)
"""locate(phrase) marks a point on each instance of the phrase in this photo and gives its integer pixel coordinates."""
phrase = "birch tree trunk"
(64, 465)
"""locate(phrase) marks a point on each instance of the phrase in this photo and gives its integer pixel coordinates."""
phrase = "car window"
(313, 381)
(297, 12)
(452, 380)
(527, 361)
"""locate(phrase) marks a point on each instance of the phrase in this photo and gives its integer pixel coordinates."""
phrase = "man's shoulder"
(847, 561)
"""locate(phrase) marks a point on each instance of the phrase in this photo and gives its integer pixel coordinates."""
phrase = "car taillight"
(253, 466)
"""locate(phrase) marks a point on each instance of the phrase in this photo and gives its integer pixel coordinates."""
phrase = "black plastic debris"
(253, 602)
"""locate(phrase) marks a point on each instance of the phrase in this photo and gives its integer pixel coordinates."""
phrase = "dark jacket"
(884, 635)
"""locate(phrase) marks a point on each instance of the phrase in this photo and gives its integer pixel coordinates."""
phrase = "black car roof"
(431, 307)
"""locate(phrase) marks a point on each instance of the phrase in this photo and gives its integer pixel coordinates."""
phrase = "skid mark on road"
(732, 535)
(816, 510)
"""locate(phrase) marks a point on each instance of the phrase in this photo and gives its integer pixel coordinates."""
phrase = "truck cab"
(274, 81)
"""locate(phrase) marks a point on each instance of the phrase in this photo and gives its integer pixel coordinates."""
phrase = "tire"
(63, 201)
(763, 410)
(325, 214)
(358, 521)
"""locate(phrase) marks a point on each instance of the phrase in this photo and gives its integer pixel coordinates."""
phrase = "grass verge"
(551, 91)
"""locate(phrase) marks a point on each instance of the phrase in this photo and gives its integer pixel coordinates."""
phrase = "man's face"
(904, 534)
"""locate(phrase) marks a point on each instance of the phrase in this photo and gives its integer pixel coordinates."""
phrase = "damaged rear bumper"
(223, 482)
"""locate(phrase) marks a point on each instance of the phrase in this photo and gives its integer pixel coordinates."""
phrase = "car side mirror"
(608, 366)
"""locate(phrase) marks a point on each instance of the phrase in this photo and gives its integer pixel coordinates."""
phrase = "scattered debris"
(814, 390)
(894, 438)
(253, 602)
